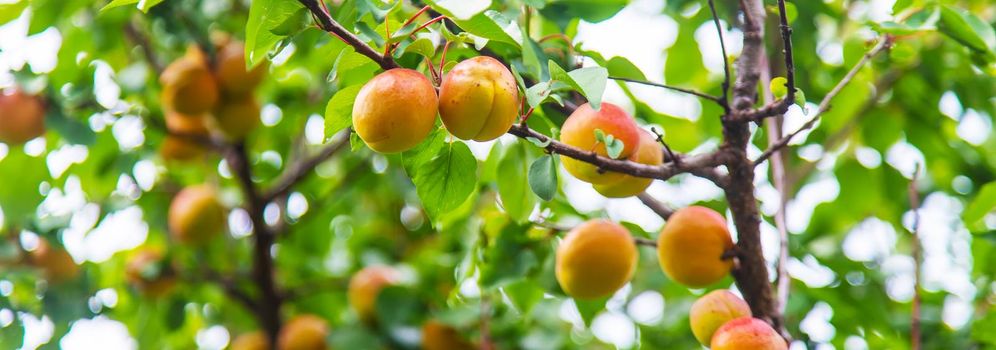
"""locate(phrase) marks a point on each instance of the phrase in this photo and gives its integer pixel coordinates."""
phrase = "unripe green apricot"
(747, 333)
(579, 131)
(479, 99)
(595, 259)
(395, 111)
(713, 310)
(196, 215)
(691, 246)
(649, 152)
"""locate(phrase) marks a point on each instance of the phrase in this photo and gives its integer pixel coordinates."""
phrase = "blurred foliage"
(471, 261)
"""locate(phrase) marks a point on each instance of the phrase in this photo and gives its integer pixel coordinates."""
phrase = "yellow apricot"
(439, 336)
(153, 286)
(230, 68)
(22, 117)
(304, 332)
(189, 87)
(479, 99)
(747, 333)
(395, 110)
(183, 148)
(691, 246)
(251, 341)
(713, 310)
(235, 118)
(56, 264)
(595, 259)
(649, 152)
(196, 215)
(579, 131)
(364, 287)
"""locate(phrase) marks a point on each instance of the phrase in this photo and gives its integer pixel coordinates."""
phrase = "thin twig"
(786, 31)
(302, 168)
(659, 208)
(143, 42)
(883, 43)
(725, 99)
(646, 242)
(671, 157)
(669, 87)
(914, 196)
(328, 24)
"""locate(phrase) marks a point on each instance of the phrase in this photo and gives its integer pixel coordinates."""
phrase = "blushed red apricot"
(713, 310)
(395, 110)
(579, 131)
(479, 99)
(649, 152)
(691, 246)
(747, 333)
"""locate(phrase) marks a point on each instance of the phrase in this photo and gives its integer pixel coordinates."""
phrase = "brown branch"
(914, 196)
(299, 170)
(328, 24)
(725, 99)
(786, 32)
(646, 242)
(669, 87)
(659, 208)
(883, 44)
(143, 42)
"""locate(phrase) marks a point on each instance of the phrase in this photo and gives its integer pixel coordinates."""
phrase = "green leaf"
(339, 111)
(424, 152)
(421, 46)
(264, 16)
(10, 12)
(492, 25)
(589, 81)
(538, 94)
(982, 204)
(509, 258)
(530, 58)
(967, 29)
(368, 33)
(590, 308)
(777, 87)
(447, 180)
(512, 174)
(293, 23)
(614, 147)
(800, 99)
(621, 67)
(397, 305)
(19, 196)
(543, 177)
(111, 5)
(460, 9)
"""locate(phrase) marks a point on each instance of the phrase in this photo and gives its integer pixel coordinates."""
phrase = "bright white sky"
(946, 241)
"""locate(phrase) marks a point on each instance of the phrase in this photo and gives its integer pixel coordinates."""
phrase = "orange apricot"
(479, 99)
(395, 110)
(691, 247)
(579, 131)
(595, 259)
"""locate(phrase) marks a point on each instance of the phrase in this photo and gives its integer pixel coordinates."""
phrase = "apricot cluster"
(722, 321)
(22, 117)
(396, 110)
(303, 332)
(200, 98)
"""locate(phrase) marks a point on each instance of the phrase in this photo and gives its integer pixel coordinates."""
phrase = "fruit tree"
(497, 174)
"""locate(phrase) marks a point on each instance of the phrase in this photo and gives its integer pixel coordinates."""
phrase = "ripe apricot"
(235, 118)
(56, 264)
(649, 152)
(148, 273)
(183, 148)
(395, 110)
(479, 99)
(595, 259)
(251, 341)
(196, 215)
(439, 336)
(189, 87)
(579, 131)
(747, 333)
(691, 246)
(364, 287)
(304, 332)
(713, 310)
(230, 68)
(22, 117)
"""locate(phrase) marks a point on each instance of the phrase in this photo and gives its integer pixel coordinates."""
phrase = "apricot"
(747, 333)
(713, 310)
(182, 148)
(439, 336)
(395, 110)
(251, 341)
(595, 259)
(137, 272)
(230, 68)
(196, 215)
(364, 287)
(56, 264)
(478, 99)
(579, 131)
(22, 117)
(189, 87)
(648, 152)
(236, 118)
(691, 247)
(304, 332)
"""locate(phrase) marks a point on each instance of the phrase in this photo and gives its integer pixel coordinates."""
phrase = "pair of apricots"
(303, 332)
(22, 117)
(598, 257)
(200, 98)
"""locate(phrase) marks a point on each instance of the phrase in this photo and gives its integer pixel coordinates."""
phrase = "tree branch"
(669, 87)
(661, 209)
(299, 170)
(882, 44)
(786, 32)
(328, 24)
(725, 100)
